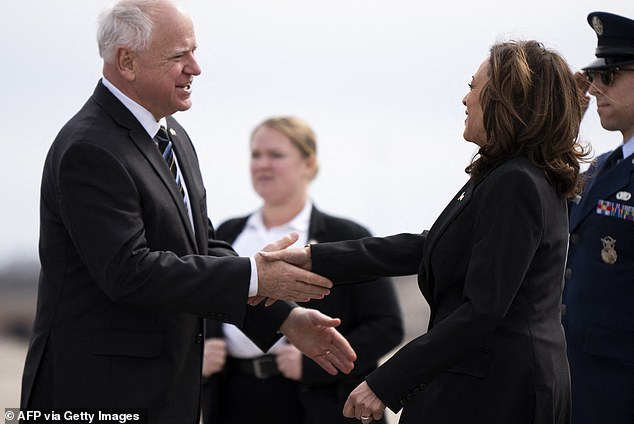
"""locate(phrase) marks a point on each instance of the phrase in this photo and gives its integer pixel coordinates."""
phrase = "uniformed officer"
(599, 288)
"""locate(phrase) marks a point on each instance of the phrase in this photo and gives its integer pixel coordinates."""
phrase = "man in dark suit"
(599, 292)
(129, 261)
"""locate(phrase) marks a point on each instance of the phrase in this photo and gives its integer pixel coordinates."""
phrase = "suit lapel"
(146, 147)
(455, 206)
(316, 227)
(186, 167)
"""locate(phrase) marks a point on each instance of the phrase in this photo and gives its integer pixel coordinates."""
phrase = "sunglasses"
(607, 75)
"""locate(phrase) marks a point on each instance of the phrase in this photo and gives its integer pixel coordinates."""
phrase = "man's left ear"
(126, 63)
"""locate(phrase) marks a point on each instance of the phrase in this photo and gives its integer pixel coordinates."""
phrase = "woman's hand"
(363, 405)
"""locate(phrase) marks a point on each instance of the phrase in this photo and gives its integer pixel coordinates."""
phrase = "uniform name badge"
(608, 254)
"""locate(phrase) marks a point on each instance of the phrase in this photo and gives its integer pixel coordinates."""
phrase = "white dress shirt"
(250, 241)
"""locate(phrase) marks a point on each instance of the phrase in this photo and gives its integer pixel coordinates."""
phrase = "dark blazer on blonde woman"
(491, 269)
(370, 320)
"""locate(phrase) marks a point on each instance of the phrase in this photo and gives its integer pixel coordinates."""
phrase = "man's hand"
(283, 243)
(314, 334)
(214, 357)
(363, 404)
(280, 280)
(289, 361)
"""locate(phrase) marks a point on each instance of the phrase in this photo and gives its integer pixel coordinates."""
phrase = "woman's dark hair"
(532, 106)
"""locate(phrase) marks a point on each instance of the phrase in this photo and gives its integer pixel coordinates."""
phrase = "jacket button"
(568, 274)
(199, 338)
(574, 238)
(564, 309)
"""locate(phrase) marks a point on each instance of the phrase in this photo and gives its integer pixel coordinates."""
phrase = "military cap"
(615, 44)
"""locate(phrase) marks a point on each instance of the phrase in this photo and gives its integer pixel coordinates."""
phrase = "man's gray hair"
(126, 24)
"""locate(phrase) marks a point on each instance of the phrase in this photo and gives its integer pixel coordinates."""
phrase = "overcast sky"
(381, 83)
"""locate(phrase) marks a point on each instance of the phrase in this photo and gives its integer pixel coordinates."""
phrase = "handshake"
(284, 274)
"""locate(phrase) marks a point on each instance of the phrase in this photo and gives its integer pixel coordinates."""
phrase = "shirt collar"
(299, 223)
(628, 147)
(144, 116)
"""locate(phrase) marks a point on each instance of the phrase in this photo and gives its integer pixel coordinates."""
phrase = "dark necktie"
(167, 150)
(612, 160)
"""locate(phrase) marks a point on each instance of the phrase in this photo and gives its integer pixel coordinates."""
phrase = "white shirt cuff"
(253, 283)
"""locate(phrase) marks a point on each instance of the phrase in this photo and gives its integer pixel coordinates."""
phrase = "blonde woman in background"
(281, 385)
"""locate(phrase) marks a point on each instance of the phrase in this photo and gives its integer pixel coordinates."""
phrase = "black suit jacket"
(125, 280)
(370, 320)
(491, 269)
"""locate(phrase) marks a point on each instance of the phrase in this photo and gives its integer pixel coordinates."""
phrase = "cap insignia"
(597, 25)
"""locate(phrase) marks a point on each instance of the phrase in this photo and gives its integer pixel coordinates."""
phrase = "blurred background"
(380, 82)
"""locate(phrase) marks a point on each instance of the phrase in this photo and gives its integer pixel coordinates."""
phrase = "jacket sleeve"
(368, 258)
(370, 314)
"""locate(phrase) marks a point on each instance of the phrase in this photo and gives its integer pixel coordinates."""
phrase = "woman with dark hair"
(491, 266)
